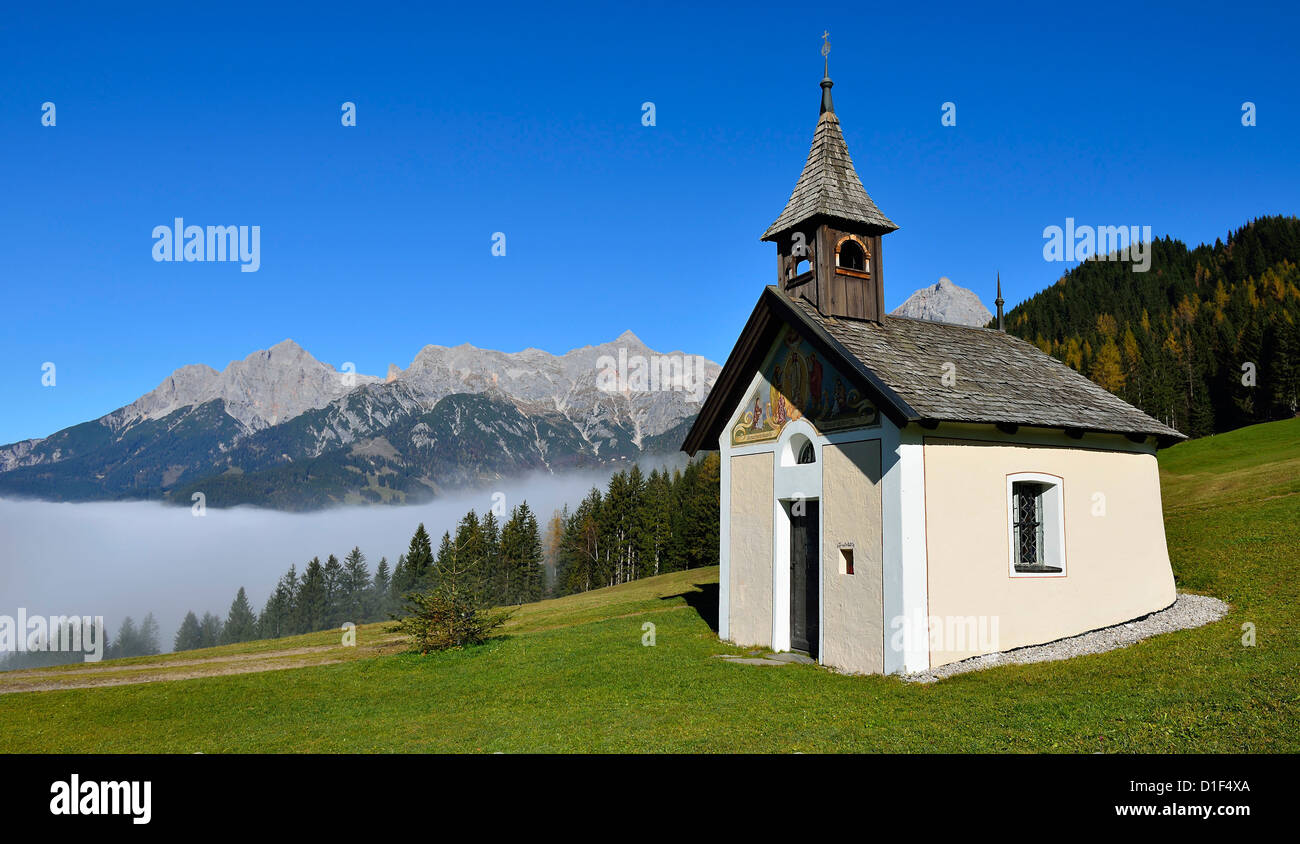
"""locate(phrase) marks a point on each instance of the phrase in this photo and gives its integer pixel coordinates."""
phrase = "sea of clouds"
(114, 559)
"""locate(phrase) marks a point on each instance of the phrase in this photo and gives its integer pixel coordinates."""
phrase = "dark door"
(805, 591)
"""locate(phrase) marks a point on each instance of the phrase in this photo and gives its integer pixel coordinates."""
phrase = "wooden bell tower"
(828, 237)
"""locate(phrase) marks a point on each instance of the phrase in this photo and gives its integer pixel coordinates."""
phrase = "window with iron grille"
(1027, 498)
(1037, 532)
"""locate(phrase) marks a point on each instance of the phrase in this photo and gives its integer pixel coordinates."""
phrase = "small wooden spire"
(999, 302)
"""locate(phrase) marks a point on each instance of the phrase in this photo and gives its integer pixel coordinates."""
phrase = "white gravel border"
(1187, 611)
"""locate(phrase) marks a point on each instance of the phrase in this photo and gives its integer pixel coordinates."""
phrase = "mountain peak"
(945, 301)
(267, 387)
(526, 411)
(286, 345)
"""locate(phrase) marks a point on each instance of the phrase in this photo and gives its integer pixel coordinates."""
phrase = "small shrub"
(435, 622)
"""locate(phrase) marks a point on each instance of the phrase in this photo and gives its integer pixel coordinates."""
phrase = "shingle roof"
(829, 185)
(998, 377)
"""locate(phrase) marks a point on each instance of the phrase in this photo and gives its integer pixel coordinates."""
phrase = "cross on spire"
(826, 51)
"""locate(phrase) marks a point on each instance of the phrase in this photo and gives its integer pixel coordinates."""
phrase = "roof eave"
(1164, 438)
(774, 231)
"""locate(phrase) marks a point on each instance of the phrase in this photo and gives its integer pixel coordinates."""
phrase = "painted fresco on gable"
(798, 383)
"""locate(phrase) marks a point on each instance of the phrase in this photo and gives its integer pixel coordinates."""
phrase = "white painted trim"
(724, 538)
(821, 570)
(1053, 530)
(891, 545)
(791, 483)
(914, 568)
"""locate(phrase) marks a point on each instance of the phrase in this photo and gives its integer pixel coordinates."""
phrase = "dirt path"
(92, 668)
(46, 685)
(163, 670)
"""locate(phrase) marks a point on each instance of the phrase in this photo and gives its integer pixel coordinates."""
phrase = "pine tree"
(334, 598)
(356, 598)
(468, 563)
(313, 599)
(585, 545)
(510, 563)
(403, 580)
(533, 560)
(149, 635)
(380, 592)
(127, 641)
(210, 629)
(419, 556)
(190, 635)
(496, 575)
(657, 523)
(241, 623)
(451, 612)
(278, 614)
(1284, 382)
(694, 540)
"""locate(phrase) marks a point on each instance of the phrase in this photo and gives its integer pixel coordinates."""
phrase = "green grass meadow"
(572, 674)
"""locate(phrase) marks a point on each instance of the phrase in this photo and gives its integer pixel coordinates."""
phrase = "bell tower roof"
(828, 185)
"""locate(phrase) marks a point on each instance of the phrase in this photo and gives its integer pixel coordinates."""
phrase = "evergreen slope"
(1173, 341)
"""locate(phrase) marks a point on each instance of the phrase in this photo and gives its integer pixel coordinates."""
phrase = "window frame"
(1052, 520)
(862, 253)
(792, 446)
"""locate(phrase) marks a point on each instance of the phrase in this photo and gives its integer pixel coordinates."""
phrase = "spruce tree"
(190, 635)
(533, 559)
(334, 589)
(380, 592)
(277, 618)
(496, 577)
(509, 561)
(127, 642)
(451, 612)
(149, 635)
(313, 600)
(403, 581)
(241, 623)
(210, 628)
(470, 556)
(656, 523)
(357, 599)
(419, 557)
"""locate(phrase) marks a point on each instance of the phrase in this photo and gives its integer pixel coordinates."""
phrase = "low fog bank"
(129, 558)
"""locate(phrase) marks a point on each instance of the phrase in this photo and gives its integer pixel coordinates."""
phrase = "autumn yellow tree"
(1106, 325)
(1108, 368)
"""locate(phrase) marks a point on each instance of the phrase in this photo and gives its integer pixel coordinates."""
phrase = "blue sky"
(523, 119)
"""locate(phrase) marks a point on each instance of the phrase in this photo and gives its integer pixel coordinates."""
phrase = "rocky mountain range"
(282, 429)
(945, 302)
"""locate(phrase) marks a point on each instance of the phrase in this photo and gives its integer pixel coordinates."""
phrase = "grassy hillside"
(573, 675)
